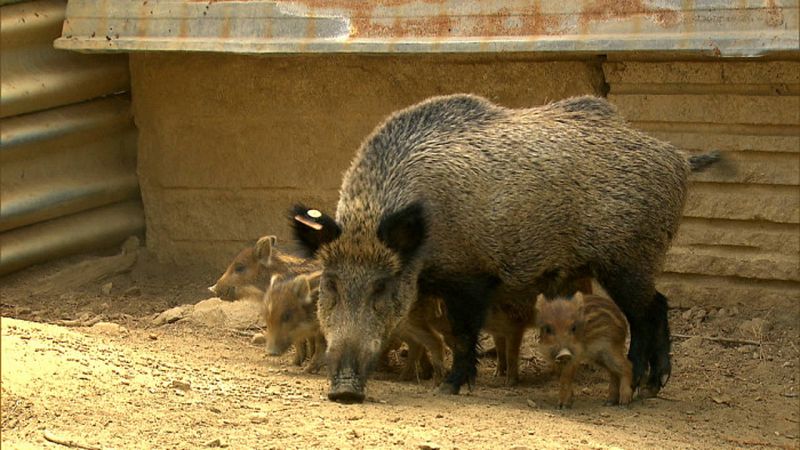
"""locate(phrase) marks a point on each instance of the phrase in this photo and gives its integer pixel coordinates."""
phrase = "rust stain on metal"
(774, 14)
(436, 26)
(601, 10)
(531, 22)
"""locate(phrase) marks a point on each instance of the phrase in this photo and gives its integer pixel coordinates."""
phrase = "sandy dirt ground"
(125, 383)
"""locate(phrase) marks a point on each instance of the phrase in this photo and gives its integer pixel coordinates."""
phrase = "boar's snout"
(346, 387)
(348, 374)
(277, 347)
(564, 356)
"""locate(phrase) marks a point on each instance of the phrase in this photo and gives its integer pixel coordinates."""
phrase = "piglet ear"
(578, 299)
(273, 279)
(301, 288)
(263, 249)
(540, 299)
(313, 228)
(404, 231)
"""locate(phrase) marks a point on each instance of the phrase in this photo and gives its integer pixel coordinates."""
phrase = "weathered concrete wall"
(228, 143)
(740, 240)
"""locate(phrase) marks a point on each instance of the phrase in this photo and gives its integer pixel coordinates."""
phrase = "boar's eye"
(330, 285)
(286, 316)
(239, 268)
(379, 288)
(547, 330)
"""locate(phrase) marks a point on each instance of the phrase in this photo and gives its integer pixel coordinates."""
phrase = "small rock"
(532, 404)
(214, 409)
(693, 343)
(152, 337)
(440, 416)
(172, 315)
(106, 288)
(133, 291)
(429, 446)
(687, 315)
(131, 244)
(689, 412)
(214, 443)
(721, 399)
(259, 418)
(605, 414)
(699, 315)
(788, 364)
(111, 329)
(754, 328)
(182, 385)
(258, 339)
(240, 314)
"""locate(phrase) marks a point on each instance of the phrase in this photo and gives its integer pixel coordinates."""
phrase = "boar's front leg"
(467, 300)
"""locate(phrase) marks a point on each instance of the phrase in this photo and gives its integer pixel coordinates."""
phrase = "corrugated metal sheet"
(66, 161)
(740, 238)
(34, 76)
(96, 228)
(709, 27)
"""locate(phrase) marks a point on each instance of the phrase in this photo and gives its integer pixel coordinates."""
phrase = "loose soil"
(183, 385)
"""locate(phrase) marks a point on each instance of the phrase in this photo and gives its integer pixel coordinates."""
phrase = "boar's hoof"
(449, 389)
(343, 395)
(648, 392)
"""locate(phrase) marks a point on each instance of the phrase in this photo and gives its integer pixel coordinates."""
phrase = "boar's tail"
(699, 162)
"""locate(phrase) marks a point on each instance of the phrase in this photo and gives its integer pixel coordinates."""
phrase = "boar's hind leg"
(467, 301)
(660, 365)
(633, 291)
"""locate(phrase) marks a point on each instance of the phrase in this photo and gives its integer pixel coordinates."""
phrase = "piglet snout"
(564, 356)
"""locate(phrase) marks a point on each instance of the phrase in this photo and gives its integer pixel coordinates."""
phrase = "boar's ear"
(313, 228)
(404, 231)
(263, 249)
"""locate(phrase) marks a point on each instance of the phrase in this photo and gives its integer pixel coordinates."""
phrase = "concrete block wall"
(739, 242)
(227, 143)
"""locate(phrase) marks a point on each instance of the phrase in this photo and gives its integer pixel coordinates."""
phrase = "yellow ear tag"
(313, 213)
(308, 223)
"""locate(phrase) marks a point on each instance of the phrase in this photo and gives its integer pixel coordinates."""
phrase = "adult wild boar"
(459, 198)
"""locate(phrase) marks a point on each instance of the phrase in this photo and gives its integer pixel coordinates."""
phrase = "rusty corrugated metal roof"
(712, 27)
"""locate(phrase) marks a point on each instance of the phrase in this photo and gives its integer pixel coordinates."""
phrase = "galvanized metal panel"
(35, 76)
(709, 27)
(66, 160)
(94, 229)
(67, 163)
